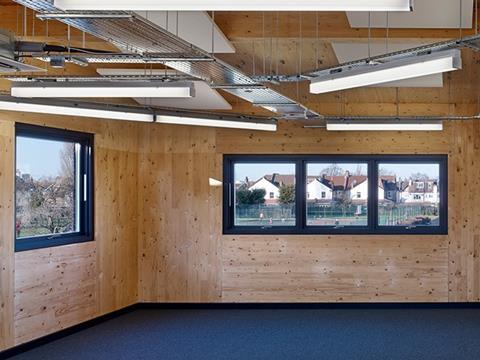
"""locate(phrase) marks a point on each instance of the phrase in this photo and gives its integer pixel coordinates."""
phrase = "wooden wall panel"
(54, 289)
(179, 215)
(298, 268)
(116, 215)
(6, 229)
(61, 286)
(334, 268)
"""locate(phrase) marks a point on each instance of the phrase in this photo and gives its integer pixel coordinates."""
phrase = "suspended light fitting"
(91, 89)
(406, 68)
(118, 112)
(236, 5)
(384, 126)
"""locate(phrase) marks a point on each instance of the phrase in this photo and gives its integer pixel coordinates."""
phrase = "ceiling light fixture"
(231, 5)
(49, 16)
(119, 112)
(384, 126)
(247, 124)
(74, 109)
(90, 89)
(407, 68)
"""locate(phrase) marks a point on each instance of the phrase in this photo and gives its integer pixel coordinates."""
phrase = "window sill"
(26, 244)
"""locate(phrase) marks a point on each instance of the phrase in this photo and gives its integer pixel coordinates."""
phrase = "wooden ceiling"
(274, 42)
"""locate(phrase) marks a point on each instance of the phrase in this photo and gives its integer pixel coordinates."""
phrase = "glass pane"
(408, 194)
(47, 190)
(264, 194)
(337, 194)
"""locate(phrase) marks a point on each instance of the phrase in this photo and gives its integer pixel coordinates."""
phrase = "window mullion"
(300, 201)
(373, 196)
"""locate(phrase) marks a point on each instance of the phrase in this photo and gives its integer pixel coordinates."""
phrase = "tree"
(419, 176)
(344, 202)
(67, 163)
(385, 172)
(287, 194)
(332, 170)
(245, 196)
(360, 170)
(48, 202)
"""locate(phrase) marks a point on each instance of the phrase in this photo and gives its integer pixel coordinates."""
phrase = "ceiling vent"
(7, 55)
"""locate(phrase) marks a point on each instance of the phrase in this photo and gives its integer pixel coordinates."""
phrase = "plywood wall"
(180, 214)
(45, 290)
(6, 231)
(158, 229)
(184, 257)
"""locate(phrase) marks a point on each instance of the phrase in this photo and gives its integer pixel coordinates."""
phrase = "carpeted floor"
(275, 334)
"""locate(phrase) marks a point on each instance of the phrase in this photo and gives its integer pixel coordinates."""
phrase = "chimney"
(345, 183)
(274, 177)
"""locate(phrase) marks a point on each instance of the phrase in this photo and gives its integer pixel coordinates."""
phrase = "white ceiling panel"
(193, 26)
(205, 97)
(350, 51)
(427, 14)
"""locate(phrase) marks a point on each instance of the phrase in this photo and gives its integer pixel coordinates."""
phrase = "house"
(388, 189)
(420, 191)
(318, 191)
(326, 189)
(272, 184)
(353, 187)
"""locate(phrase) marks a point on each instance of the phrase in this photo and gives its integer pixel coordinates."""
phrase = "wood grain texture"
(178, 249)
(297, 268)
(61, 286)
(158, 229)
(158, 224)
(293, 24)
(6, 231)
(60, 291)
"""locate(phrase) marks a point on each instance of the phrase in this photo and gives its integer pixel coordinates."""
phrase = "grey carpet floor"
(275, 334)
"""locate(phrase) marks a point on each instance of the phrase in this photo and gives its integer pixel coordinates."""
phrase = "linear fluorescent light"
(91, 89)
(118, 112)
(74, 109)
(48, 16)
(220, 123)
(384, 126)
(237, 5)
(395, 70)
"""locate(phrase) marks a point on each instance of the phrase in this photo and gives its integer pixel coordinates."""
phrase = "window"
(252, 207)
(53, 187)
(339, 194)
(418, 200)
(340, 181)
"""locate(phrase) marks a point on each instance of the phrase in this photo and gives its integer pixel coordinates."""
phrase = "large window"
(335, 194)
(264, 194)
(409, 194)
(53, 187)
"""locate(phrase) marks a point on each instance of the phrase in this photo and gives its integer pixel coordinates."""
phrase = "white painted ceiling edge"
(205, 97)
(350, 51)
(193, 26)
(427, 14)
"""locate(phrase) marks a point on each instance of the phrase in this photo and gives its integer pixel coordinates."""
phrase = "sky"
(256, 171)
(39, 158)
